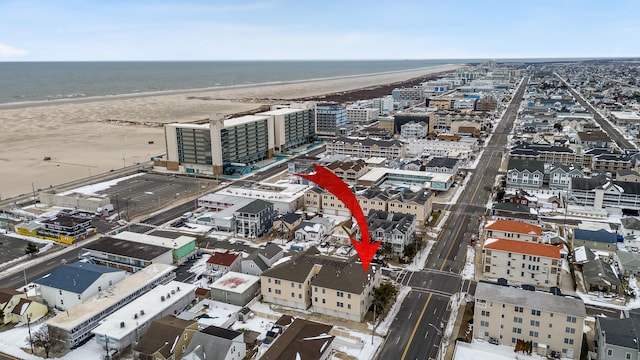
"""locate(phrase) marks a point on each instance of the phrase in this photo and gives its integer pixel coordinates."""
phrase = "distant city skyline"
(92, 30)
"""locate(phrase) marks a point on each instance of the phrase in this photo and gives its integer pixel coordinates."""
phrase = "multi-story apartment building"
(522, 262)
(515, 230)
(395, 229)
(415, 93)
(293, 126)
(349, 171)
(329, 119)
(416, 115)
(546, 153)
(618, 338)
(594, 139)
(527, 174)
(361, 116)
(441, 102)
(330, 286)
(254, 219)
(510, 315)
(366, 148)
(419, 203)
(210, 148)
(414, 130)
(560, 176)
(601, 192)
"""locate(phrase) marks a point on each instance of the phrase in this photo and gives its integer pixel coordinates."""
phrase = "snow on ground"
(92, 190)
(468, 273)
(418, 261)
(195, 228)
(459, 190)
(383, 327)
(479, 349)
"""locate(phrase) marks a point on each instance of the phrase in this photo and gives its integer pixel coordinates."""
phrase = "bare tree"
(41, 338)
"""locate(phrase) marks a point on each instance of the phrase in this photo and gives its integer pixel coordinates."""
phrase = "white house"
(71, 284)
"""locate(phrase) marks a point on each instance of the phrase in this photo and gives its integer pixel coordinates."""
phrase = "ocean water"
(27, 82)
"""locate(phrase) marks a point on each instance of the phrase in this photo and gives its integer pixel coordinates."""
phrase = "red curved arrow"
(333, 184)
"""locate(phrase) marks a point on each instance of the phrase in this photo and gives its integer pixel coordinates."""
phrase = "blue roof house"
(596, 239)
(71, 284)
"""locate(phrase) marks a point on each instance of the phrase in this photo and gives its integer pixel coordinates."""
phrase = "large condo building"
(209, 148)
(221, 146)
(293, 126)
(329, 119)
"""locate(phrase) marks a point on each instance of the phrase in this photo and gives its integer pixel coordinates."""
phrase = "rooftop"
(523, 247)
(75, 277)
(152, 303)
(517, 227)
(235, 282)
(155, 240)
(131, 249)
(538, 300)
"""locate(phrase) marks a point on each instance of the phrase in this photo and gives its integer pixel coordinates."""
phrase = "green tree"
(383, 295)
(386, 249)
(31, 249)
(410, 250)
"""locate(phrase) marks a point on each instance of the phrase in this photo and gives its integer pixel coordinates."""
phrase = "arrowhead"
(366, 251)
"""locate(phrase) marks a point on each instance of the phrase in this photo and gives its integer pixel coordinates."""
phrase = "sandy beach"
(88, 137)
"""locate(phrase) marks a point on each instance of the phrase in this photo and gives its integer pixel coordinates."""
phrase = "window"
(568, 341)
(277, 281)
(269, 290)
(323, 301)
(315, 299)
(339, 304)
(533, 334)
(628, 356)
(570, 330)
(535, 323)
(339, 294)
(517, 330)
(269, 280)
(186, 336)
(484, 323)
(293, 295)
(519, 309)
(517, 320)
(324, 291)
(278, 292)
(571, 319)
(609, 352)
(348, 296)
(349, 306)
(484, 313)
(535, 312)
(79, 297)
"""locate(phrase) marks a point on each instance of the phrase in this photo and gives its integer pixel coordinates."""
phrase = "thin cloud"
(10, 51)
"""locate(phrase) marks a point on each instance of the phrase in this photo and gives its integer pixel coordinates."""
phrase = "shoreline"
(27, 104)
(81, 138)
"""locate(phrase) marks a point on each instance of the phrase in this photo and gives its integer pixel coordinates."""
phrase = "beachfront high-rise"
(221, 144)
(232, 145)
(294, 125)
(329, 119)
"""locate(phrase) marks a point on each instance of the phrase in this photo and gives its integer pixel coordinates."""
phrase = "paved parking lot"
(12, 248)
(147, 193)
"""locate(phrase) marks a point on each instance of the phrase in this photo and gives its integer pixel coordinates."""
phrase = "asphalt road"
(36, 271)
(613, 133)
(415, 333)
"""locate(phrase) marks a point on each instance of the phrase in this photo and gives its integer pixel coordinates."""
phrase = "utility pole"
(29, 327)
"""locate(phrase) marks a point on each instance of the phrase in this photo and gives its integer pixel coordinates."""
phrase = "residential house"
(520, 196)
(235, 288)
(131, 256)
(514, 230)
(596, 239)
(221, 263)
(627, 176)
(8, 299)
(216, 343)
(26, 310)
(630, 230)
(618, 338)
(395, 229)
(612, 162)
(287, 224)
(527, 174)
(510, 316)
(594, 139)
(348, 171)
(560, 176)
(514, 212)
(261, 259)
(443, 165)
(71, 284)
(331, 286)
(254, 219)
(366, 148)
(597, 274)
(522, 262)
(182, 247)
(343, 232)
(302, 340)
(314, 229)
(166, 339)
(628, 262)
(67, 227)
(414, 130)
(405, 201)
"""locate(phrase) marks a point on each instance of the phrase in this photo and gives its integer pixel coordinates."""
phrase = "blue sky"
(65, 30)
